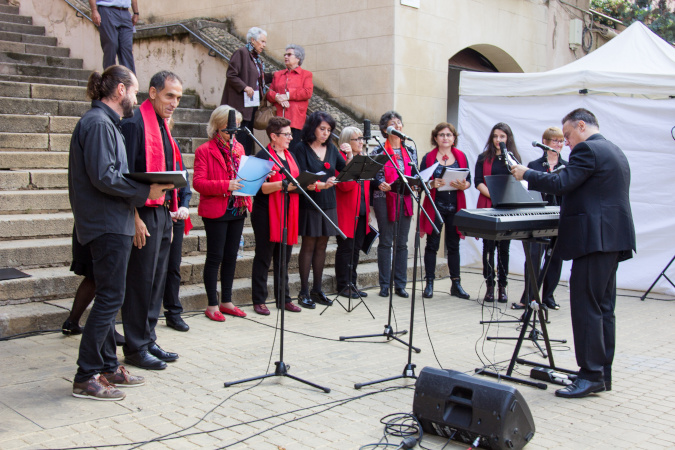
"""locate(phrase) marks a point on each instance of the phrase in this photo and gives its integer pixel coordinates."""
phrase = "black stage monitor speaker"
(457, 406)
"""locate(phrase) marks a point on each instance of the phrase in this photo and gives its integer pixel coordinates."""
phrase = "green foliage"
(654, 14)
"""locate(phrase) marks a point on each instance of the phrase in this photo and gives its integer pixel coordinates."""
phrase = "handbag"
(263, 115)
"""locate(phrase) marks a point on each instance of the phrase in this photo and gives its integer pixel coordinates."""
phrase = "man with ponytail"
(150, 148)
(103, 203)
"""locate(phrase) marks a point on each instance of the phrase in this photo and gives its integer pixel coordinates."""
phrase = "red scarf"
(430, 160)
(276, 199)
(154, 155)
(483, 201)
(391, 175)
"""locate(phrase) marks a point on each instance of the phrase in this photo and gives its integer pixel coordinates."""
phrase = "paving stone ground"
(187, 406)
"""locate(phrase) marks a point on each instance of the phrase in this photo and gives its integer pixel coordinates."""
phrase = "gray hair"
(299, 52)
(219, 118)
(254, 34)
(347, 134)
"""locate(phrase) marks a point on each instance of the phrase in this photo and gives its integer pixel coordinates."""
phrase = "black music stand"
(359, 169)
(662, 274)
(281, 367)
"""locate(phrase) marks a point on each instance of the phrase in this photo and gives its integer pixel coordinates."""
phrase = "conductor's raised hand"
(157, 190)
(518, 171)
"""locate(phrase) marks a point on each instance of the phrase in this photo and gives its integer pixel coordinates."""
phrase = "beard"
(127, 108)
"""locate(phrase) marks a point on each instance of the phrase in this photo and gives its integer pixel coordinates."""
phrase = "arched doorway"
(478, 58)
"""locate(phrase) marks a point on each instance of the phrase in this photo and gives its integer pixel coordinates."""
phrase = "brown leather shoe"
(502, 298)
(489, 294)
(261, 309)
(289, 306)
(122, 378)
(97, 388)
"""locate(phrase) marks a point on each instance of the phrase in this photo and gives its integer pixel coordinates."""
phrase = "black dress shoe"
(156, 351)
(428, 289)
(608, 385)
(347, 293)
(305, 301)
(401, 292)
(71, 329)
(144, 360)
(177, 323)
(384, 292)
(363, 294)
(551, 304)
(581, 388)
(320, 298)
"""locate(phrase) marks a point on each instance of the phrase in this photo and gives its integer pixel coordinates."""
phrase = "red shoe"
(289, 306)
(216, 316)
(236, 312)
(261, 309)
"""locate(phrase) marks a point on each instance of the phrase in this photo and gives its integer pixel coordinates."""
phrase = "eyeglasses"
(556, 141)
(360, 139)
(445, 135)
(284, 134)
(289, 54)
(225, 130)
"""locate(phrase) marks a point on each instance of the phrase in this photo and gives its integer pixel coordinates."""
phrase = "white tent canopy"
(629, 82)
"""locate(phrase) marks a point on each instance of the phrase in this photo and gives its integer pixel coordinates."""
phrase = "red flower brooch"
(326, 165)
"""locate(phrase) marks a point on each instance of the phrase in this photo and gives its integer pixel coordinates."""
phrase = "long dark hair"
(490, 151)
(313, 122)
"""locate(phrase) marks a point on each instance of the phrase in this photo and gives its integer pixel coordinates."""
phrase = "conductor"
(596, 232)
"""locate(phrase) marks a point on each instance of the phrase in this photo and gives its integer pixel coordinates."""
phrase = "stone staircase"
(42, 96)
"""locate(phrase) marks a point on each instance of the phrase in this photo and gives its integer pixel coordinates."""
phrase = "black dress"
(311, 222)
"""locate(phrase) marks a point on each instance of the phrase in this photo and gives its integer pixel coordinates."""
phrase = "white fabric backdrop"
(640, 126)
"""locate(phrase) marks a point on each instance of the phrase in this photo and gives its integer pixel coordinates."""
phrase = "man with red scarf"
(150, 148)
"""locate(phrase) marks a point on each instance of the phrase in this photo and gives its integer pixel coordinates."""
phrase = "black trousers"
(297, 138)
(502, 261)
(110, 255)
(592, 303)
(242, 136)
(551, 278)
(344, 255)
(266, 252)
(172, 305)
(222, 244)
(451, 243)
(146, 278)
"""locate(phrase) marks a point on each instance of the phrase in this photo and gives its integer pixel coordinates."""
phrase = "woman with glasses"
(317, 154)
(492, 162)
(386, 205)
(246, 79)
(268, 221)
(353, 207)
(448, 156)
(215, 178)
(550, 161)
(291, 90)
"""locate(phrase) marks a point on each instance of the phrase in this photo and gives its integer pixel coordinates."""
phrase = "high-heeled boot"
(502, 297)
(429, 288)
(457, 290)
(489, 294)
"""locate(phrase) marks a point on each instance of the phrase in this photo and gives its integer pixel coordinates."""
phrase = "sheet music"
(255, 101)
(453, 175)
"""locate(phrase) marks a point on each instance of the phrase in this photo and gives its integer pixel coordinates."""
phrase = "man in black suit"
(596, 232)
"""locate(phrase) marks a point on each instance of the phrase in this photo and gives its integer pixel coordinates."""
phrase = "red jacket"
(209, 180)
(348, 196)
(299, 85)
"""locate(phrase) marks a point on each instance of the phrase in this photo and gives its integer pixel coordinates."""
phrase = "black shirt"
(310, 162)
(498, 168)
(261, 201)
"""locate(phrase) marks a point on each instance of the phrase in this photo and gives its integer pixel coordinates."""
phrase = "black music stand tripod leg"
(662, 274)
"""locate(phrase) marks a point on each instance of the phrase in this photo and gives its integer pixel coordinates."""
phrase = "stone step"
(40, 60)
(16, 160)
(8, 9)
(22, 28)
(34, 160)
(58, 282)
(42, 226)
(56, 251)
(50, 314)
(34, 142)
(44, 71)
(189, 115)
(15, 18)
(187, 129)
(22, 47)
(43, 80)
(14, 36)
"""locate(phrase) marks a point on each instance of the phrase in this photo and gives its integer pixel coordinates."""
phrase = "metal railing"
(213, 52)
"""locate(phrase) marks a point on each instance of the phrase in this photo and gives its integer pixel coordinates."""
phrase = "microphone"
(366, 129)
(395, 132)
(509, 158)
(232, 122)
(544, 147)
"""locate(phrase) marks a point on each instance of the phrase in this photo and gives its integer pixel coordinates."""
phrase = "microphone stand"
(281, 367)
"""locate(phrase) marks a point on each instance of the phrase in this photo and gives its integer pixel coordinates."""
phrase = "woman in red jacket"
(215, 178)
(353, 206)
